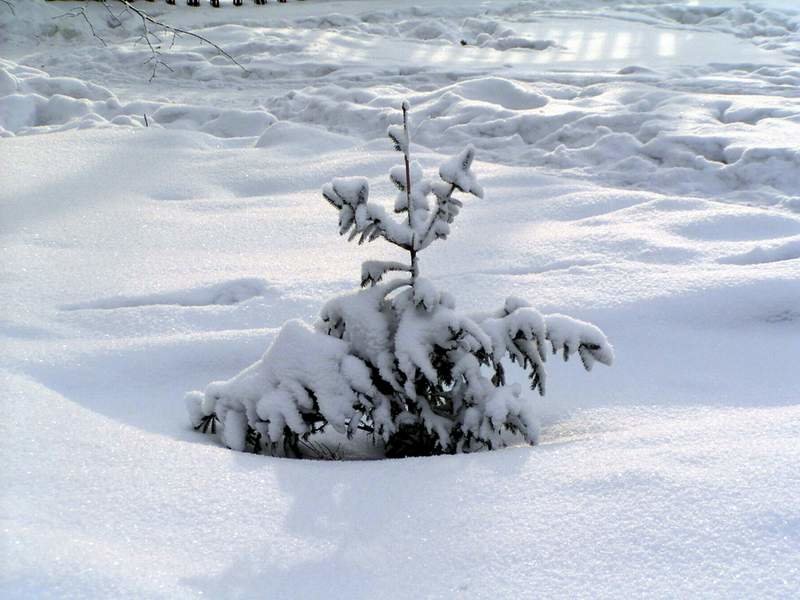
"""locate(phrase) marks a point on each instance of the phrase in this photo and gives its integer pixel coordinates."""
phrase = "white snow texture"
(641, 170)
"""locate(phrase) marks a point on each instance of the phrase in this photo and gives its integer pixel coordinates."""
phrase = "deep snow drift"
(643, 170)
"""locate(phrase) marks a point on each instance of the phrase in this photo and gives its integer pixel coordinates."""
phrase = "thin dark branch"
(9, 5)
(79, 12)
(112, 15)
(151, 28)
(148, 20)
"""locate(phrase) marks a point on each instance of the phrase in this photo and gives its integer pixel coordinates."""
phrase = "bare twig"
(151, 27)
(117, 20)
(80, 12)
(9, 5)
(147, 34)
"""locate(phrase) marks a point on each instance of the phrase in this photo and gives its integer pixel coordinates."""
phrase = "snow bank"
(294, 138)
(31, 102)
(627, 131)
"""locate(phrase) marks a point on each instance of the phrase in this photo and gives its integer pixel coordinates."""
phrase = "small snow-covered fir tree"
(396, 359)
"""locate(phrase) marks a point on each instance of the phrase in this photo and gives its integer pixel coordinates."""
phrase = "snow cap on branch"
(360, 217)
(457, 172)
(570, 335)
(373, 271)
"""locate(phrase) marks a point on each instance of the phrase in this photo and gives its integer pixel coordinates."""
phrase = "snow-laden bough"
(396, 359)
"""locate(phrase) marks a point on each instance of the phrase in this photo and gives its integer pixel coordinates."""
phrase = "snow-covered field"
(641, 162)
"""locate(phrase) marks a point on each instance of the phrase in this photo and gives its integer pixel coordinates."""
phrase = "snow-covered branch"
(361, 218)
(373, 271)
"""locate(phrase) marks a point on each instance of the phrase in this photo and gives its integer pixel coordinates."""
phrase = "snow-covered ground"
(641, 162)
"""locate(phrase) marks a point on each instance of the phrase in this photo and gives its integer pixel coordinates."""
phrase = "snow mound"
(294, 138)
(745, 225)
(457, 108)
(628, 131)
(487, 32)
(217, 122)
(789, 250)
(31, 101)
(512, 95)
(423, 24)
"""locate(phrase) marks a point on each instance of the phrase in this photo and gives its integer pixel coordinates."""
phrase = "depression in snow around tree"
(395, 362)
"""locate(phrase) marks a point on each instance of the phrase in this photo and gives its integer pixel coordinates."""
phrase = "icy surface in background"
(642, 168)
